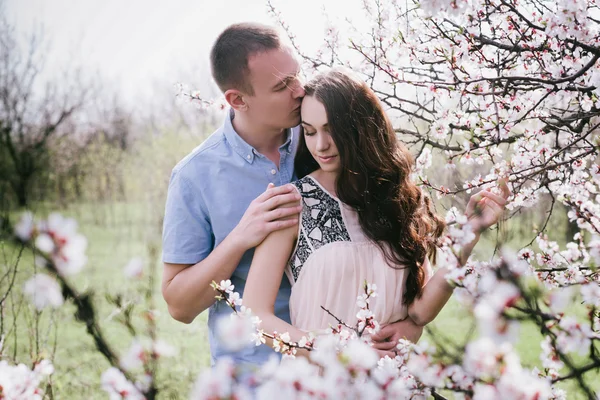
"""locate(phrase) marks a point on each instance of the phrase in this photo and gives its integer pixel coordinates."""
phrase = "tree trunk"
(20, 184)
(21, 191)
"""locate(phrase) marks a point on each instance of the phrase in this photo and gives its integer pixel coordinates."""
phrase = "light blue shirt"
(209, 191)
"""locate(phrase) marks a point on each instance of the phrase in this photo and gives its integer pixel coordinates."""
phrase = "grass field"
(117, 232)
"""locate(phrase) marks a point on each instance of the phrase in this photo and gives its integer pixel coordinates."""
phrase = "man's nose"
(299, 92)
(298, 89)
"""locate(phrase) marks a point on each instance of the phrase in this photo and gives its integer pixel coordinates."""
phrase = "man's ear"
(236, 100)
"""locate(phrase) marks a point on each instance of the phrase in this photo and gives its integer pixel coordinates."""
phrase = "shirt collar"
(241, 147)
(287, 146)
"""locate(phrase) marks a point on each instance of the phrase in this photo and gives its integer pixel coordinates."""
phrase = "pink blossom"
(20, 382)
(573, 336)
(118, 387)
(486, 359)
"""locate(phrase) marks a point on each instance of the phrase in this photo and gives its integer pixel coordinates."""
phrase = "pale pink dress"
(332, 260)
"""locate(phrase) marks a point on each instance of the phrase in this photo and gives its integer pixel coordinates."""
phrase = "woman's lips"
(327, 159)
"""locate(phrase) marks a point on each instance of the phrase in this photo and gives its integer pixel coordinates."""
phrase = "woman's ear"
(236, 100)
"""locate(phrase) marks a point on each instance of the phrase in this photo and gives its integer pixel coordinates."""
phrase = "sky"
(138, 46)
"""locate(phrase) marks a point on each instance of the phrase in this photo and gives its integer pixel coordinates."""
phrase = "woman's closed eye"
(308, 133)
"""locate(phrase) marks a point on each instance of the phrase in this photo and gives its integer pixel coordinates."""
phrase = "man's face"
(278, 92)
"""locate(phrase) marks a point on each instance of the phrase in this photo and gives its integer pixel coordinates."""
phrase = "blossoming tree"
(498, 89)
(60, 254)
(493, 89)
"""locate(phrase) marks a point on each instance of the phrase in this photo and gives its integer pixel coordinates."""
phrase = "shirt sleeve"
(187, 232)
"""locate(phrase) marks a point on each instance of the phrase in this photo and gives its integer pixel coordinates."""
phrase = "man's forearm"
(409, 329)
(188, 292)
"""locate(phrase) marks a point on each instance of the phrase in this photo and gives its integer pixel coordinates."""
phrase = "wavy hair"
(375, 176)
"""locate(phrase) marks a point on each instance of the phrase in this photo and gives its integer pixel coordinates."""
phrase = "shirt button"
(273, 172)
(248, 156)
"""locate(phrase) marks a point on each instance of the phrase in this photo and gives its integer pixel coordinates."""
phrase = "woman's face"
(317, 135)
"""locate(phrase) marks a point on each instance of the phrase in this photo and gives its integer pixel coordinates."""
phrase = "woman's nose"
(322, 142)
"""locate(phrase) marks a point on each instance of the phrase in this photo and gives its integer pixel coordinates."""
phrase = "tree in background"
(32, 112)
(485, 90)
(482, 91)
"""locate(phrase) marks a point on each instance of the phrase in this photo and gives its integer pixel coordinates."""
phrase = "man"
(217, 209)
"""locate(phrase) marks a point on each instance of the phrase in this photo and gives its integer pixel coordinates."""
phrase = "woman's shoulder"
(306, 186)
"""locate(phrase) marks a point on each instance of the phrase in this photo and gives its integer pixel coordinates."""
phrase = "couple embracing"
(339, 206)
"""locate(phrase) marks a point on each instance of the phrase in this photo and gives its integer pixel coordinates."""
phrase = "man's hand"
(277, 208)
(386, 339)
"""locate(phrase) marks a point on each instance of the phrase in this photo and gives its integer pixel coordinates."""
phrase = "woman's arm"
(264, 279)
(437, 291)
(484, 210)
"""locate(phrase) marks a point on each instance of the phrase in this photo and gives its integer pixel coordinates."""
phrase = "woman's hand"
(485, 208)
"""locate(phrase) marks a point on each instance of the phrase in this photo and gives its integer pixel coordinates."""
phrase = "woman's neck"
(326, 179)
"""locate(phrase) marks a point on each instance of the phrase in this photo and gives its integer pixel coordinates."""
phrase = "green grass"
(117, 232)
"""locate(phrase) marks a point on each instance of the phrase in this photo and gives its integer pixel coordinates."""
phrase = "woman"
(363, 219)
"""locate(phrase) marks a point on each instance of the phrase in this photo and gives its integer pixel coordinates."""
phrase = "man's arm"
(386, 340)
(186, 287)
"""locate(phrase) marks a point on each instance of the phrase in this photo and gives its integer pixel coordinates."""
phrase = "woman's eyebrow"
(325, 126)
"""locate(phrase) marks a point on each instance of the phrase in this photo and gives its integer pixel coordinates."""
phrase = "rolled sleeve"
(187, 232)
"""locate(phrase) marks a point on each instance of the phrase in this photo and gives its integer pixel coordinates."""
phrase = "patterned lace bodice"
(321, 223)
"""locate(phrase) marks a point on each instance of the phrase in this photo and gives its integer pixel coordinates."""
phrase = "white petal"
(44, 243)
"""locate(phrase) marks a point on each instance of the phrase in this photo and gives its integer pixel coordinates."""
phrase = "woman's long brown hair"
(375, 175)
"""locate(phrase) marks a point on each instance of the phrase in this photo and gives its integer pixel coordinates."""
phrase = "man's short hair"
(230, 53)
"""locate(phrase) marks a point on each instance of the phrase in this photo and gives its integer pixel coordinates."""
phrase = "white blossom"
(134, 268)
(235, 332)
(591, 293)
(43, 291)
(24, 228)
